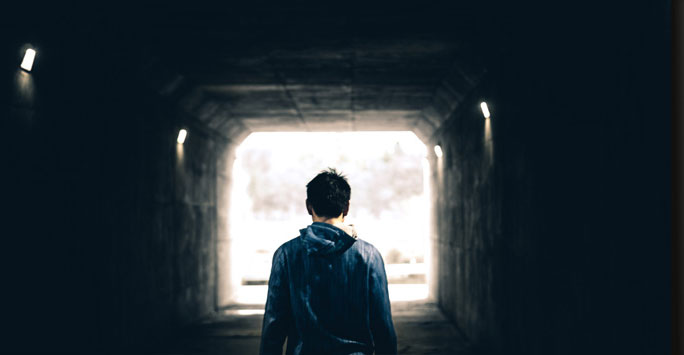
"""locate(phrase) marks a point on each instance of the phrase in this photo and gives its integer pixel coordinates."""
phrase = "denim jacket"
(328, 295)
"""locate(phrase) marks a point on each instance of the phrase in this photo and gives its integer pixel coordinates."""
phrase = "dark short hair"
(328, 193)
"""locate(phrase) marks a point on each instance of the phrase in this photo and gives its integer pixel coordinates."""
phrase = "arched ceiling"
(313, 69)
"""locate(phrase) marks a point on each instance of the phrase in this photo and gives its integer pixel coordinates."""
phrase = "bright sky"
(361, 143)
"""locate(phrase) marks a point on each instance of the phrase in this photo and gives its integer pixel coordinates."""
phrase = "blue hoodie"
(328, 295)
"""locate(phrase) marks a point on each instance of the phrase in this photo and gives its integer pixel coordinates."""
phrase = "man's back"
(328, 295)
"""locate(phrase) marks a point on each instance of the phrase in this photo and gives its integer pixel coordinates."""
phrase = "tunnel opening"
(551, 224)
(390, 205)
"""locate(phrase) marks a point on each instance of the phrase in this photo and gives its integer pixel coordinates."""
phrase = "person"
(327, 293)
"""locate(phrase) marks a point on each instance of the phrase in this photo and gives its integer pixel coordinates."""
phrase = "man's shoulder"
(360, 243)
(368, 250)
(289, 245)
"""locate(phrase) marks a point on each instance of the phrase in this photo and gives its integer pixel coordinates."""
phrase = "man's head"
(328, 194)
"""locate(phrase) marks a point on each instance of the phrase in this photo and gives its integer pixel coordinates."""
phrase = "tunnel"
(551, 209)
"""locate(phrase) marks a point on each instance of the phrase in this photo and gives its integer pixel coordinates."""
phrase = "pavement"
(421, 329)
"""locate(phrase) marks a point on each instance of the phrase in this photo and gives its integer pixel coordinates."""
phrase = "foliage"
(381, 183)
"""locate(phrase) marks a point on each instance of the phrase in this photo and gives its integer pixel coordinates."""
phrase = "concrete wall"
(557, 242)
(225, 157)
(51, 206)
(161, 221)
(111, 226)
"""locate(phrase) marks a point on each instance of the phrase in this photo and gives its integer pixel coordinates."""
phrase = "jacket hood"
(326, 239)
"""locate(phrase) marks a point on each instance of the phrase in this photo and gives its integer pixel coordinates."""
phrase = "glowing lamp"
(485, 109)
(438, 151)
(182, 134)
(29, 57)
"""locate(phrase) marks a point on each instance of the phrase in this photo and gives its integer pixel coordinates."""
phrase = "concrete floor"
(421, 329)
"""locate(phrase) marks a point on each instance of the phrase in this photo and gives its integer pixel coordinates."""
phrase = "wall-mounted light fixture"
(438, 151)
(182, 134)
(29, 57)
(485, 109)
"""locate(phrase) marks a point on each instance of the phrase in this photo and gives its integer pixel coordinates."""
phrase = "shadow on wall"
(553, 231)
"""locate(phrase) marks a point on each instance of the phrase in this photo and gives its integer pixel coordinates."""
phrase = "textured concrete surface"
(420, 327)
(163, 234)
(387, 68)
(552, 234)
(546, 213)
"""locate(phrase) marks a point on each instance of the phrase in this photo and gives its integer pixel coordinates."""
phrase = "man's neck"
(329, 220)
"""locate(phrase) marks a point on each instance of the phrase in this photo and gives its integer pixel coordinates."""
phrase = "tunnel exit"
(388, 173)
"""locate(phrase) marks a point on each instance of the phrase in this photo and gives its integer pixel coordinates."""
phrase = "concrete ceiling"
(314, 70)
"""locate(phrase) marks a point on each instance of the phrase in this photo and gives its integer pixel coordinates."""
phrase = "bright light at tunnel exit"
(182, 134)
(485, 109)
(387, 173)
(29, 57)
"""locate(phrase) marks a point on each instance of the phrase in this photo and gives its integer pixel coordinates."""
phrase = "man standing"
(328, 290)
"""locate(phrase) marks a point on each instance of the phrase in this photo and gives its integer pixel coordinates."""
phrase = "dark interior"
(551, 234)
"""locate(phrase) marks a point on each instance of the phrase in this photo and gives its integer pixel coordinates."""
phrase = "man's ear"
(309, 208)
(346, 210)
